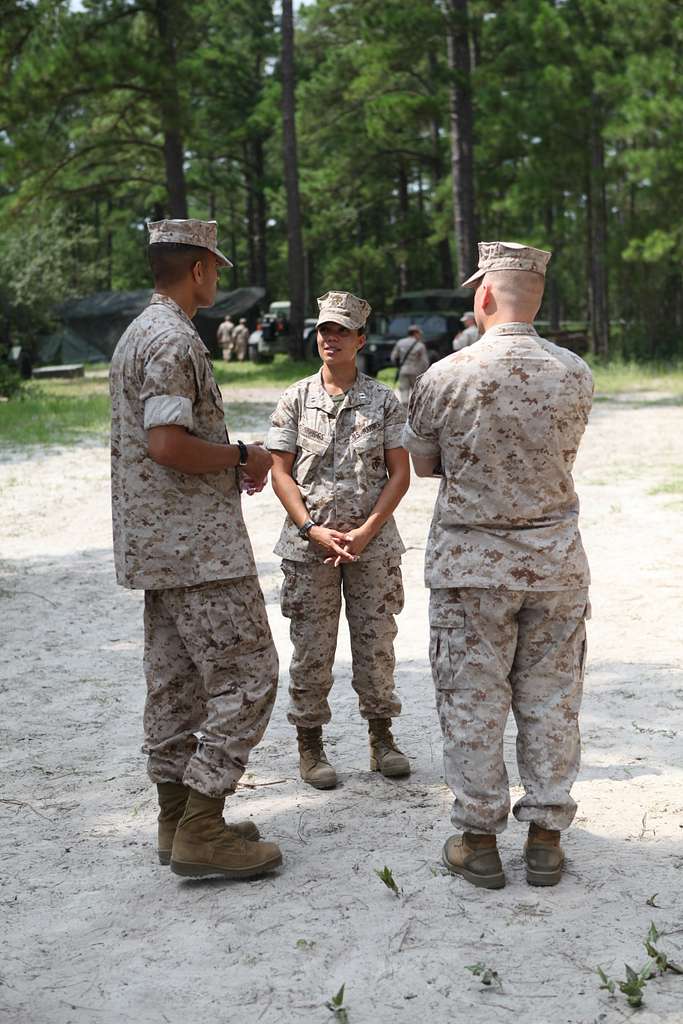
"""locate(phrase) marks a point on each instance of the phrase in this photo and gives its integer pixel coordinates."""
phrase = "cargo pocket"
(291, 597)
(446, 637)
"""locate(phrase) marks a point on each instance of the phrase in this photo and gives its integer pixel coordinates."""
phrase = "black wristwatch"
(244, 454)
(304, 529)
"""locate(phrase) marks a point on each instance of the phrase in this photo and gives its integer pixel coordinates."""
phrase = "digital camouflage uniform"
(210, 662)
(340, 469)
(225, 336)
(411, 357)
(466, 337)
(240, 337)
(507, 570)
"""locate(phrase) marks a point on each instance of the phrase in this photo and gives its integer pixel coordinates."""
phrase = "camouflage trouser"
(406, 383)
(211, 670)
(311, 599)
(493, 648)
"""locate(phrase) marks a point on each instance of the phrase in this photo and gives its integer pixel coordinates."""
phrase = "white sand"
(96, 931)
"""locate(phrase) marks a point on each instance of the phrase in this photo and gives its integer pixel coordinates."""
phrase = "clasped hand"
(343, 547)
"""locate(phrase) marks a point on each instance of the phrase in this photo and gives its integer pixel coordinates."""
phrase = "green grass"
(618, 376)
(48, 418)
(674, 486)
(64, 411)
(282, 372)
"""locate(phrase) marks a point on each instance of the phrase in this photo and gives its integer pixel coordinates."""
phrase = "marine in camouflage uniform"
(210, 663)
(411, 358)
(469, 335)
(240, 337)
(336, 449)
(225, 336)
(501, 423)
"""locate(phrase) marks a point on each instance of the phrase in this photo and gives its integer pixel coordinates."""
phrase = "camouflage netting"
(94, 324)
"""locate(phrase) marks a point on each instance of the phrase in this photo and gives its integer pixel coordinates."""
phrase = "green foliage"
(11, 384)
(487, 975)
(386, 876)
(336, 1006)
(86, 120)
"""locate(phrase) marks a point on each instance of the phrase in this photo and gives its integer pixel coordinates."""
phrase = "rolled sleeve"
(284, 426)
(168, 410)
(417, 445)
(281, 439)
(169, 372)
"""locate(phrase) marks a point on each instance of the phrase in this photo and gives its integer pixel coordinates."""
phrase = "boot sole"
(190, 870)
(321, 785)
(543, 877)
(388, 773)
(496, 881)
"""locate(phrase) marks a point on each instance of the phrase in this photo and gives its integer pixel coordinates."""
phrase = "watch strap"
(305, 528)
(244, 454)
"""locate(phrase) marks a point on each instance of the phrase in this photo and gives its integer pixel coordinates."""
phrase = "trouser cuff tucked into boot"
(385, 757)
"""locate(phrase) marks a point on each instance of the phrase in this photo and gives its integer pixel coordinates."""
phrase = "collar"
(165, 300)
(318, 398)
(514, 328)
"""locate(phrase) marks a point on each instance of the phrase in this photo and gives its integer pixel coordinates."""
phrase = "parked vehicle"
(437, 313)
(272, 334)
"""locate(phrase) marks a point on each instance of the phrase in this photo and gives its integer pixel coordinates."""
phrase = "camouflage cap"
(468, 316)
(202, 233)
(508, 256)
(343, 308)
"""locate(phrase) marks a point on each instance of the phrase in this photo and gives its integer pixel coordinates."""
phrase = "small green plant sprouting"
(336, 1006)
(305, 944)
(605, 982)
(661, 960)
(386, 875)
(488, 975)
(634, 984)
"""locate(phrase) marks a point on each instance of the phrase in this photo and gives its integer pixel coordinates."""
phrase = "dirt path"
(96, 932)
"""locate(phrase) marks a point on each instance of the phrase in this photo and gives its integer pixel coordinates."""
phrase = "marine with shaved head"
(500, 423)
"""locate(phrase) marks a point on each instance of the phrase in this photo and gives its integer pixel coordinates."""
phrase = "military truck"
(437, 313)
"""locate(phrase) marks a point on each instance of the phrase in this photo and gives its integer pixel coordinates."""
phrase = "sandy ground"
(96, 931)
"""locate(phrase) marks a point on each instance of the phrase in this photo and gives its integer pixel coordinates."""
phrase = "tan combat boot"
(314, 767)
(172, 800)
(543, 855)
(204, 845)
(476, 858)
(385, 757)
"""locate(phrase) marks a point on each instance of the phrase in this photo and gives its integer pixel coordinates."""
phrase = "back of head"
(518, 293)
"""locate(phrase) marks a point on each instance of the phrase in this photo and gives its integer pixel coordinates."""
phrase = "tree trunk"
(166, 15)
(295, 245)
(597, 237)
(552, 288)
(462, 136)
(261, 217)
(404, 241)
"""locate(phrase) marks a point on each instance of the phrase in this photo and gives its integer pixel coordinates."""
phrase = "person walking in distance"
(240, 337)
(210, 663)
(411, 358)
(225, 339)
(340, 471)
(500, 423)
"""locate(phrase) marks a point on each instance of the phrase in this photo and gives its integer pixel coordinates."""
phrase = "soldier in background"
(225, 338)
(469, 335)
(500, 424)
(210, 663)
(240, 338)
(411, 358)
(340, 471)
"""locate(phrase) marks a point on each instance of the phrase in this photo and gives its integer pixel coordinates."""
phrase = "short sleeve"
(420, 435)
(394, 421)
(284, 425)
(169, 386)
